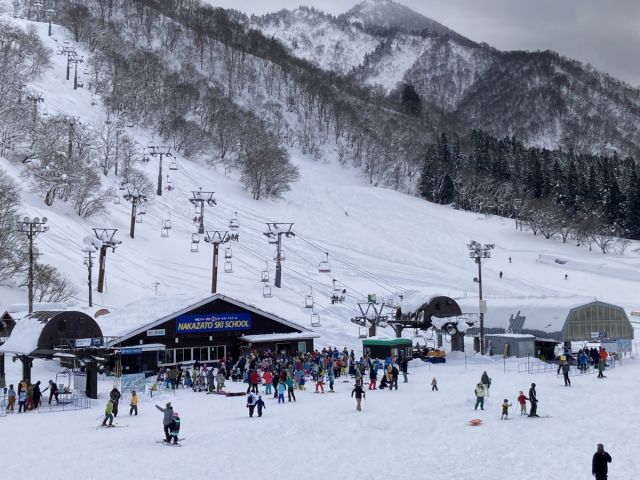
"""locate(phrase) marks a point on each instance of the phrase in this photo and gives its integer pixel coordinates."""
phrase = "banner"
(222, 322)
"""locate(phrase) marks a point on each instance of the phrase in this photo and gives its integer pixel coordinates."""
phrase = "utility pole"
(156, 285)
(88, 261)
(34, 98)
(274, 234)
(156, 150)
(75, 60)
(215, 237)
(105, 235)
(32, 228)
(199, 199)
(134, 196)
(69, 52)
(479, 252)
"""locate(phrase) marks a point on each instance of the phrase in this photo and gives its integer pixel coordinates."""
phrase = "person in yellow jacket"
(133, 403)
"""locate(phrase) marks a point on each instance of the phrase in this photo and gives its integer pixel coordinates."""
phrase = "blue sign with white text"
(221, 322)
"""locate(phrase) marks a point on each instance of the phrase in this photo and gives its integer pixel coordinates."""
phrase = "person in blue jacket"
(260, 404)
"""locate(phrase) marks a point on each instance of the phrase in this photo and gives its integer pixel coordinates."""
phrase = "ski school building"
(175, 330)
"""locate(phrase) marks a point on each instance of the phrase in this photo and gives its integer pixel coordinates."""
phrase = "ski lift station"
(522, 327)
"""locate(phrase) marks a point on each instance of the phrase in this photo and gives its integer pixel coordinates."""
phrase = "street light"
(479, 252)
(32, 228)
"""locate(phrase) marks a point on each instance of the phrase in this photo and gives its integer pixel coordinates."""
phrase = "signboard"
(89, 342)
(599, 335)
(132, 381)
(131, 351)
(158, 332)
(222, 322)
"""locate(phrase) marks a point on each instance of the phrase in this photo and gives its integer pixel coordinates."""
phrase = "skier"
(108, 414)
(11, 396)
(479, 392)
(434, 384)
(280, 391)
(166, 420)
(357, 390)
(115, 396)
(133, 403)
(22, 399)
(174, 428)
(565, 373)
(500, 274)
(320, 381)
(290, 390)
(403, 367)
(533, 398)
(373, 377)
(505, 410)
(251, 403)
(260, 404)
(522, 400)
(37, 395)
(599, 465)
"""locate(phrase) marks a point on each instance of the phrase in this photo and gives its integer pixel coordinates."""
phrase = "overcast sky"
(605, 33)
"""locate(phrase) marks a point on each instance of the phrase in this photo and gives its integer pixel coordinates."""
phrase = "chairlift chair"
(173, 165)
(283, 257)
(308, 300)
(164, 232)
(228, 253)
(266, 291)
(264, 275)
(315, 319)
(142, 208)
(139, 217)
(273, 240)
(166, 223)
(363, 332)
(195, 242)
(233, 223)
(324, 266)
(228, 267)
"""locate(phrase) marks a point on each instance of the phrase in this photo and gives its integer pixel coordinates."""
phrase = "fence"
(74, 402)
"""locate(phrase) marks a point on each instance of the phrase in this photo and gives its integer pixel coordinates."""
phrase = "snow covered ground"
(409, 433)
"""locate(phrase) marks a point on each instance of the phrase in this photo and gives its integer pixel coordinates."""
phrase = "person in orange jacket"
(267, 378)
(133, 403)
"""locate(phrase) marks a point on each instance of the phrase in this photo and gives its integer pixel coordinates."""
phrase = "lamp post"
(478, 252)
(32, 228)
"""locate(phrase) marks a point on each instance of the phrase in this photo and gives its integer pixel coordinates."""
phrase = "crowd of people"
(28, 396)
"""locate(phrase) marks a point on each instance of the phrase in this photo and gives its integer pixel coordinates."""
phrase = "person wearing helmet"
(533, 398)
(167, 420)
(133, 403)
(174, 428)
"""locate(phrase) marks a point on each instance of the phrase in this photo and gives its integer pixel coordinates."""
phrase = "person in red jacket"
(522, 400)
(267, 378)
(254, 378)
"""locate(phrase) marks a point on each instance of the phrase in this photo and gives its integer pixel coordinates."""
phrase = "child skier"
(359, 393)
(373, 377)
(505, 410)
(251, 403)
(320, 381)
(11, 395)
(174, 429)
(281, 389)
(108, 414)
(331, 379)
(434, 384)
(260, 404)
(133, 403)
(522, 400)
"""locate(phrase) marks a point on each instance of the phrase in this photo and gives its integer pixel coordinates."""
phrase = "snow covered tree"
(11, 241)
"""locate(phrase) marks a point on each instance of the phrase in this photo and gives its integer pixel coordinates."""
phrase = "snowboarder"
(260, 404)
(599, 465)
(251, 403)
(108, 414)
(479, 392)
(174, 428)
(11, 396)
(522, 400)
(434, 384)
(505, 410)
(133, 403)
(115, 396)
(166, 420)
(359, 393)
(533, 398)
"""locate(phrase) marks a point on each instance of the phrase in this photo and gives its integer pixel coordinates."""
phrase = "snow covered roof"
(20, 310)
(413, 301)
(140, 316)
(278, 337)
(24, 337)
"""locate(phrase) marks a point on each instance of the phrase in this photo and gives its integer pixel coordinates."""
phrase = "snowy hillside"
(379, 241)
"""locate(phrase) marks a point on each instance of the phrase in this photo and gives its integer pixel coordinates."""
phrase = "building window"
(302, 347)
(216, 353)
(166, 356)
(183, 355)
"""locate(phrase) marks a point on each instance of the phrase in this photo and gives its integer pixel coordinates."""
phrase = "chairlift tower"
(105, 235)
(135, 197)
(479, 252)
(70, 52)
(49, 13)
(161, 152)
(32, 228)
(88, 262)
(199, 199)
(75, 59)
(215, 237)
(371, 313)
(274, 234)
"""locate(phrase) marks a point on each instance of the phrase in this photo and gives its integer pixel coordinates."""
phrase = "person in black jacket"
(37, 395)
(403, 368)
(357, 390)
(53, 391)
(114, 395)
(599, 463)
(533, 398)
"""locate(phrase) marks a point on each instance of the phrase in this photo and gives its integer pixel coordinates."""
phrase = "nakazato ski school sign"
(223, 322)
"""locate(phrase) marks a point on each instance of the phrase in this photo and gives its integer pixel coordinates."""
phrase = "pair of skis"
(170, 444)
